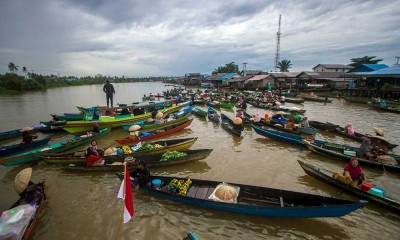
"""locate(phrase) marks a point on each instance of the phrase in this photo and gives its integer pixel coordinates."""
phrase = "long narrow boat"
(181, 113)
(152, 161)
(68, 116)
(228, 124)
(357, 136)
(21, 147)
(10, 134)
(317, 99)
(340, 153)
(288, 109)
(387, 108)
(153, 126)
(294, 100)
(326, 176)
(117, 116)
(323, 126)
(166, 145)
(301, 130)
(200, 112)
(299, 140)
(156, 133)
(62, 146)
(359, 100)
(31, 223)
(227, 105)
(257, 200)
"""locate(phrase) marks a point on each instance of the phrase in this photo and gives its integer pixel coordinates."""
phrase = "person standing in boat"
(110, 92)
(141, 176)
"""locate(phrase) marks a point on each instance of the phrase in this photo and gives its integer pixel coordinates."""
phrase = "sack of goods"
(386, 159)
(225, 193)
(110, 151)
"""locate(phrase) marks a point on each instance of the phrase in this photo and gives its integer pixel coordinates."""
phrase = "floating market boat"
(228, 124)
(347, 153)
(395, 109)
(357, 136)
(21, 147)
(181, 113)
(68, 116)
(20, 220)
(294, 100)
(152, 161)
(62, 146)
(117, 116)
(323, 126)
(146, 148)
(326, 176)
(317, 99)
(211, 112)
(152, 126)
(155, 133)
(11, 134)
(200, 112)
(250, 200)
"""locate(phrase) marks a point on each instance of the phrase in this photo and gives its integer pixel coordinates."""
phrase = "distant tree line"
(12, 82)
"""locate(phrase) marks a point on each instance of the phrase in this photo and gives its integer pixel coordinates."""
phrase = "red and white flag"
(125, 192)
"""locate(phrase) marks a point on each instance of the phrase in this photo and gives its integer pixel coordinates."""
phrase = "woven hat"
(159, 115)
(134, 128)
(379, 131)
(226, 193)
(237, 121)
(22, 179)
(278, 103)
(381, 138)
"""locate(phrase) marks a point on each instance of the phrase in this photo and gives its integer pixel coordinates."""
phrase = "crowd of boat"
(165, 113)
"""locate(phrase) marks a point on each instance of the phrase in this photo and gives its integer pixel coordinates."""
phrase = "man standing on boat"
(109, 90)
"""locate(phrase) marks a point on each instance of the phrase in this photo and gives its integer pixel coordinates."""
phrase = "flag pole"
(123, 205)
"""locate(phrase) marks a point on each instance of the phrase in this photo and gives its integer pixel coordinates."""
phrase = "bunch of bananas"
(157, 146)
(183, 189)
(126, 149)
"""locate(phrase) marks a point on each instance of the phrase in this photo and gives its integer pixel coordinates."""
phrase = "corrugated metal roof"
(395, 70)
(216, 76)
(334, 66)
(376, 66)
(241, 79)
(225, 77)
(258, 77)
(365, 68)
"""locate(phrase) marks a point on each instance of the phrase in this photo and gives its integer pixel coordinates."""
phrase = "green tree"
(24, 70)
(228, 68)
(356, 62)
(12, 67)
(284, 65)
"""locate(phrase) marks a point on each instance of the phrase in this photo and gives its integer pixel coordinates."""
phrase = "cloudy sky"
(170, 37)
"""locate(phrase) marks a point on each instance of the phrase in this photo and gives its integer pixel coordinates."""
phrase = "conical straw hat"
(381, 138)
(22, 179)
(379, 131)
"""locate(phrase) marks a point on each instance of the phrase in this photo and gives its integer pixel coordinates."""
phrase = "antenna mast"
(278, 43)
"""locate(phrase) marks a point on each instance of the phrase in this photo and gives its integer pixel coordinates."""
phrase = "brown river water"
(85, 206)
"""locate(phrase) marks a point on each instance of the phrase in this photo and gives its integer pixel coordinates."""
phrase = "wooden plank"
(192, 191)
(200, 191)
(204, 193)
(210, 190)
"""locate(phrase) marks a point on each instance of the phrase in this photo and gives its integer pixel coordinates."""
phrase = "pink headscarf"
(257, 118)
(350, 129)
(355, 172)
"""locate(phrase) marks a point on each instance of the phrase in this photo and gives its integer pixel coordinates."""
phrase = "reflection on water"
(83, 205)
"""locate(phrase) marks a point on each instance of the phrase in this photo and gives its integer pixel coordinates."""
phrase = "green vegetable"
(172, 155)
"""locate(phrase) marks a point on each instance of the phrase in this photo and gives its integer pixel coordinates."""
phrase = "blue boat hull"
(17, 148)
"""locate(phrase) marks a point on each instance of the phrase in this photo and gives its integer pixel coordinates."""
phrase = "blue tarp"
(226, 77)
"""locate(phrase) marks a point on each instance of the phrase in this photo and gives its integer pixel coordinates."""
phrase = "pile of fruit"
(126, 149)
(180, 186)
(148, 146)
(172, 155)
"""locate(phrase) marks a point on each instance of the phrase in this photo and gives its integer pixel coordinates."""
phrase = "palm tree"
(284, 65)
(356, 62)
(24, 70)
(12, 67)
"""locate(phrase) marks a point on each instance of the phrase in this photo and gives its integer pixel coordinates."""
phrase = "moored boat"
(165, 145)
(317, 99)
(231, 127)
(21, 147)
(155, 133)
(294, 100)
(11, 134)
(395, 109)
(357, 136)
(68, 116)
(199, 112)
(252, 200)
(213, 115)
(62, 146)
(323, 126)
(326, 176)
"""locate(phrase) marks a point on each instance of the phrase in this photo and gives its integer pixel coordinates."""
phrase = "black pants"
(109, 97)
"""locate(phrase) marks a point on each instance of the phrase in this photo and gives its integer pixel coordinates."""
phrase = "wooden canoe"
(294, 100)
(357, 136)
(152, 161)
(79, 157)
(32, 224)
(20, 147)
(11, 134)
(228, 124)
(257, 200)
(212, 111)
(387, 108)
(199, 112)
(323, 126)
(300, 130)
(317, 99)
(153, 126)
(338, 152)
(326, 176)
(58, 147)
(166, 131)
